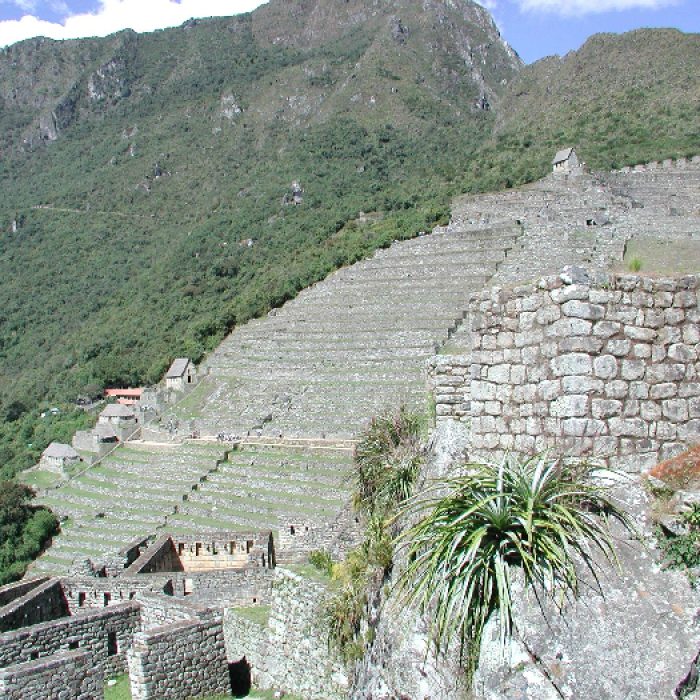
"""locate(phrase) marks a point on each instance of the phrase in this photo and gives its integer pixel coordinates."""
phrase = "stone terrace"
(267, 486)
(350, 346)
(130, 494)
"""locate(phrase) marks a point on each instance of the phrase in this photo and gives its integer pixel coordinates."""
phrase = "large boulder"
(636, 638)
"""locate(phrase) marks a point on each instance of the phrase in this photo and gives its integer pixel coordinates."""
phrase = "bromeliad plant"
(539, 516)
(387, 461)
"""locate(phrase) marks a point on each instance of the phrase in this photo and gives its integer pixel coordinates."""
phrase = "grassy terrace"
(257, 488)
(263, 486)
(155, 478)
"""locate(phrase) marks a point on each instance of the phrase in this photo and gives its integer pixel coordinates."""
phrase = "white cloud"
(584, 7)
(113, 15)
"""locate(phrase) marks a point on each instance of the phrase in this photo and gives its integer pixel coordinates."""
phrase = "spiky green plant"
(538, 516)
(387, 461)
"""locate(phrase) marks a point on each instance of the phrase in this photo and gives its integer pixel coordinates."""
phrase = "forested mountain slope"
(146, 204)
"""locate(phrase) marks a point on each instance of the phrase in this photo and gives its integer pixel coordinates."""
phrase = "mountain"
(147, 201)
(623, 99)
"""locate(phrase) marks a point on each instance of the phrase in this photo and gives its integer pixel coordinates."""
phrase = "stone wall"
(84, 593)
(183, 660)
(609, 371)
(67, 674)
(161, 556)
(226, 588)
(160, 609)
(12, 591)
(291, 653)
(40, 603)
(298, 538)
(105, 634)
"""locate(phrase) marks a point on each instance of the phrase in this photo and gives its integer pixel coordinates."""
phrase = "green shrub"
(387, 461)
(322, 560)
(635, 265)
(536, 516)
(682, 551)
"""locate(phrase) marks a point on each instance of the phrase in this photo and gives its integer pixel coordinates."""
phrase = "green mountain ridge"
(148, 177)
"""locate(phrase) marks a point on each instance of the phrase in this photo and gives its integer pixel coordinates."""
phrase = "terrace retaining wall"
(606, 371)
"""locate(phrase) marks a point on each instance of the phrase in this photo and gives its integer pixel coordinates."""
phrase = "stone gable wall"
(609, 372)
(40, 603)
(86, 632)
(67, 674)
(12, 591)
(182, 660)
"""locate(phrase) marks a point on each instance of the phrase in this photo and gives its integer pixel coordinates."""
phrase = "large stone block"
(619, 347)
(633, 369)
(566, 327)
(576, 384)
(628, 427)
(499, 374)
(583, 309)
(675, 410)
(572, 406)
(605, 408)
(607, 329)
(572, 363)
(659, 374)
(605, 367)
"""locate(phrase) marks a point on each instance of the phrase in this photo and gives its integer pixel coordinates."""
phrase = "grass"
(259, 614)
(40, 479)
(662, 256)
(635, 265)
(309, 571)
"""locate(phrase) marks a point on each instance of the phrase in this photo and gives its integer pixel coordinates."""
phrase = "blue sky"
(534, 28)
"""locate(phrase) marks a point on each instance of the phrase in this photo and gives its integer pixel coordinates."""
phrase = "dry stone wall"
(604, 371)
(105, 634)
(67, 674)
(183, 660)
(291, 653)
(38, 604)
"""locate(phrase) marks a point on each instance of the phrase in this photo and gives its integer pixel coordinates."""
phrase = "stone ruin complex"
(588, 361)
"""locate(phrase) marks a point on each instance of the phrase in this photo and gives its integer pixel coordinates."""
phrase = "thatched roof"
(57, 450)
(562, 155)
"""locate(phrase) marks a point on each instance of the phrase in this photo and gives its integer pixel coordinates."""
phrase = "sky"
(534, 28)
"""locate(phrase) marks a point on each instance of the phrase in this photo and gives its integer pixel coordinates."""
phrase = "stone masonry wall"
(12, 591)
(291, 653)
(40, 603)
(609, 372)
(182, 660)
(226, 588)
(67, 674)
(105, 634)
(297, 538)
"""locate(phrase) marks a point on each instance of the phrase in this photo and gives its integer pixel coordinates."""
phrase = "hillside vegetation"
(146, 179)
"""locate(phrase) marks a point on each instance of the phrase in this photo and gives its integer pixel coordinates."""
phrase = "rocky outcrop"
(401, 662)
(636, 637)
